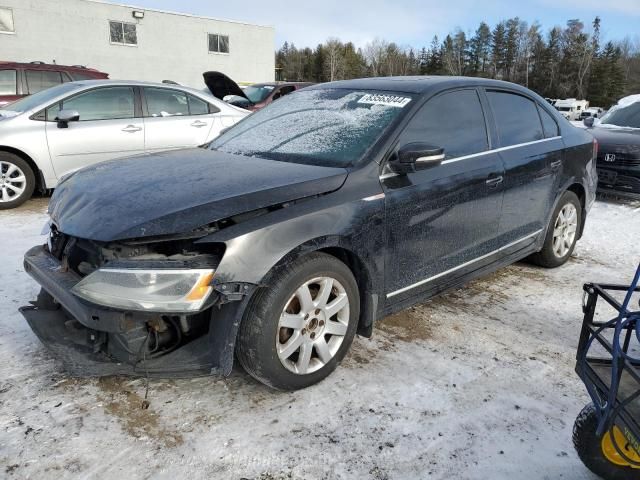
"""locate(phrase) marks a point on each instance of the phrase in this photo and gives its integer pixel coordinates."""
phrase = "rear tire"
(589, 448)
(17, 181)
(289, 340)
(562, 232)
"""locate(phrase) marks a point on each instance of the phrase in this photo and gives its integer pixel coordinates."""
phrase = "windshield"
(331, 127)
(38, 99)
(628, 116)
(258, 93)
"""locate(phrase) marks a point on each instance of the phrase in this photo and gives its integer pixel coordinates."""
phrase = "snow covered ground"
(476, 384)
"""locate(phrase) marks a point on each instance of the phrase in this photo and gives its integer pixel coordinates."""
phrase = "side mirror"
(413, 157)
(65, 116)
(588, 122)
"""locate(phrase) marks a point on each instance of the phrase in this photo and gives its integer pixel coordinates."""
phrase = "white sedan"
(67, 127)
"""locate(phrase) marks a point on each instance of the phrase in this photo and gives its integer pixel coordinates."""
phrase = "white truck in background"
(571, 108)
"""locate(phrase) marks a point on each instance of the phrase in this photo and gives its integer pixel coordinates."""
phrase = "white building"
(134, 43)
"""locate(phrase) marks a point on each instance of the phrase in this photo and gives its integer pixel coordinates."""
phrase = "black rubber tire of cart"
(589, 448)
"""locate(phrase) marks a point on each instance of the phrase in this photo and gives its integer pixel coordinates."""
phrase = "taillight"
(595, 148)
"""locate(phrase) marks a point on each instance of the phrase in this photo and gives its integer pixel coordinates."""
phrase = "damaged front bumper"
(92, 340)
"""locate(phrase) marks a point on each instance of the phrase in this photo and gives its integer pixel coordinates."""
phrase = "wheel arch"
(334, 246)
(581, 193)
(40, 184)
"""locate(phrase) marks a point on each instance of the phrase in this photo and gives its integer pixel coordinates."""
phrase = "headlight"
(173, 291)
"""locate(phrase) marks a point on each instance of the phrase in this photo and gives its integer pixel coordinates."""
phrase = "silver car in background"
(67, 127)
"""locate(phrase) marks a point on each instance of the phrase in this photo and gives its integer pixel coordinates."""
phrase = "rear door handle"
(131, 129)
(556, 164)
(494, 181)
(199, 124)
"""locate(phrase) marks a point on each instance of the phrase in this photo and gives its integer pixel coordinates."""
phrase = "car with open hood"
(252, 97)
(302, 225)
(618, 136)
(54, 132)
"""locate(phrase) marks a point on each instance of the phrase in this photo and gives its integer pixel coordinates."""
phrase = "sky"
(406, 22)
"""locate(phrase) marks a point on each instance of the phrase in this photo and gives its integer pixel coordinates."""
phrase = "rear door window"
(197, 106)
(516, 118)
(38, 80)
(548, 123)
(8, 82)
(107, 103)
(164, 102)
(453, 121)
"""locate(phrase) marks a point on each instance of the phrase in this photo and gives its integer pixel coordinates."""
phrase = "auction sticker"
(389, 100)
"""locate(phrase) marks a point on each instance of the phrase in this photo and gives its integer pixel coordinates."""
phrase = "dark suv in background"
(618, 136)
(18, 80)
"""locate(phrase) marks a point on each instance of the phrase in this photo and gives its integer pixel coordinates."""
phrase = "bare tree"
(335, 58)
(375, 53)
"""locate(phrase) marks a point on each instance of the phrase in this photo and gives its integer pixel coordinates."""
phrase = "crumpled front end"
(134, 309)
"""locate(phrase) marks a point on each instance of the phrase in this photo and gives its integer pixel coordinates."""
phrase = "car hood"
(178, 192)
(616, 135)
(221, 86)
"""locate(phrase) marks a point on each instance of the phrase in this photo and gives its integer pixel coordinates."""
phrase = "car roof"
(418, 84)
(47, 66)
(136, 83)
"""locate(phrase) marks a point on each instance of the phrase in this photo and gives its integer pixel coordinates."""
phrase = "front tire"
(296, 331)
(562, 232)
(591, 449)
(17, 181)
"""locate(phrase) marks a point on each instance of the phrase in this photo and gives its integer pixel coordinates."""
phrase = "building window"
(218, 43)
(6, 20)
(123, 33)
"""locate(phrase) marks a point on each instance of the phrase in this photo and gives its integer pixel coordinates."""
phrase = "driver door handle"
(494, 181)
(556, 164)
(131, 129)
(199, 123)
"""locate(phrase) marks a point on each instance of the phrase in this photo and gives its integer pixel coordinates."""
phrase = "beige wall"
(170, 46)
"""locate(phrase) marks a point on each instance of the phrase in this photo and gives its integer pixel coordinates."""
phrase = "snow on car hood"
(177, 192)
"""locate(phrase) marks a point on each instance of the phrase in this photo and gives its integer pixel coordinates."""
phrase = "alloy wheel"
(13, 182)
(564, 230)
(312, 325)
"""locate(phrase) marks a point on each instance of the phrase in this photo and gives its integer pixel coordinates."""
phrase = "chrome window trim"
(500, 149)
(466, 264)
(479, 154)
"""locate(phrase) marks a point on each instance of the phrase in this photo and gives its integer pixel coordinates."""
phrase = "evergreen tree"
(568, 62)
(480, 51)
(498, 50)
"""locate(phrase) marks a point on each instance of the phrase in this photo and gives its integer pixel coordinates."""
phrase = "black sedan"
(302, 225)
(618, 135)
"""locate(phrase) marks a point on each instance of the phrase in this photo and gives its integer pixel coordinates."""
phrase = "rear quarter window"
(516, 118)
(548, 124)
(76, 76)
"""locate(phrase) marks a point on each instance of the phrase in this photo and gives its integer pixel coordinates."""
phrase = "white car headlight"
(172, 291)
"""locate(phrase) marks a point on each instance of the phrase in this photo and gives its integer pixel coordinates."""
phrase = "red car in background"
(18, 80)
(253, 97)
